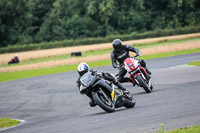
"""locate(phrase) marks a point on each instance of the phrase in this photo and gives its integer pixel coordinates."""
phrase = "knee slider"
(142, 62)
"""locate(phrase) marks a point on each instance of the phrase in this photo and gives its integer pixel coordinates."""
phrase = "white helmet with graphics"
(83, 68)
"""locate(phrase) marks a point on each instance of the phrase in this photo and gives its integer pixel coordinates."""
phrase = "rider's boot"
(125, 91)
(92, 103)
(133, 83)
(148, 73)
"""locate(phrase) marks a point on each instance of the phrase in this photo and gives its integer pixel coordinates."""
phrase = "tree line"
(35, 21)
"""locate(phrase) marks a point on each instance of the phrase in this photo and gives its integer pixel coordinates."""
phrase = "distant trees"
(15, 22)
(34, 21)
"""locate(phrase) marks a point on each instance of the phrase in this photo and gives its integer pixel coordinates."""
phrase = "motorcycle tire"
(129, 103)
(10, 62)
(102, 104)
(143, 84)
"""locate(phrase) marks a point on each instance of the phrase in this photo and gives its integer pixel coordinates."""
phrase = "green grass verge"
(8, 76)
(161, 55)
(193, 129)
(5, 122)
(195, 63)
(105, 51)
(97, 40)
(166, 42)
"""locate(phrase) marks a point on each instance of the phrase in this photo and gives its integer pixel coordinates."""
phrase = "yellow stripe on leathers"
(113, 92)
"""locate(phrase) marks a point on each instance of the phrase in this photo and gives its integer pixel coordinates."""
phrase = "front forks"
(134, 80)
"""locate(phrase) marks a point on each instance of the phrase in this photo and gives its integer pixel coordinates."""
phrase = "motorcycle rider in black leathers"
(84, 68)
(120, 53)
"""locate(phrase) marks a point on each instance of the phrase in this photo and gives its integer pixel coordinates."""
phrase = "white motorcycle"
(138, 74)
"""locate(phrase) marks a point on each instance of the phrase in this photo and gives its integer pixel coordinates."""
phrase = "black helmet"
(117, 44)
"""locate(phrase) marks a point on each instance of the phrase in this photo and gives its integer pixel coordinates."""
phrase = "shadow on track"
(144, 93)
(156, 89)
(104, 113)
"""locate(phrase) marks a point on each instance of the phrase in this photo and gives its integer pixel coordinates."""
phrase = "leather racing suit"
(120, 56)
(106, 76)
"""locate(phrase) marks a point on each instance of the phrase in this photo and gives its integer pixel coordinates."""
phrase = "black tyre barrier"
(76, 54)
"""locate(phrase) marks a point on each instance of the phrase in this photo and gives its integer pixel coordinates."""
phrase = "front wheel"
(105, 103)
(143, 84)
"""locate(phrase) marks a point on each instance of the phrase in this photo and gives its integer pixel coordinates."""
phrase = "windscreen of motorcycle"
(130, 64)
(85, 79)
(84, 82)
(82, 89)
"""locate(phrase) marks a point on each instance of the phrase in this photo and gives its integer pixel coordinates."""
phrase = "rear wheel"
(143, 84)
(105, 103)
(129, 102)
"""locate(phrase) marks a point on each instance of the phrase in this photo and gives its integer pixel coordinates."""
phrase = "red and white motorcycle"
(138, 74)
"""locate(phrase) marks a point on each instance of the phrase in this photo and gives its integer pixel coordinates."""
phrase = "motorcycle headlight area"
(136, 63)
(136, 69)
(82, 88)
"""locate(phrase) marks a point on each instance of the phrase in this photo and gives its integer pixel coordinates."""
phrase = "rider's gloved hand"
(103, 74)
(122, 66)
(99, 73)
(118, 66)
(138, 53)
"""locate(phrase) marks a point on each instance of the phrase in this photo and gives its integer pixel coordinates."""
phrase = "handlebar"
(122, 65)
(135, 57)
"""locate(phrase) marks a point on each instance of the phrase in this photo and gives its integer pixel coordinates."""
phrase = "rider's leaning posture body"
(84, 68)
(119, 53)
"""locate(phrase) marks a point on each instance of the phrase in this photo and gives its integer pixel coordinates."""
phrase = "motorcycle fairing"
(118, 101)
(113, 93)
(87, 79)
(103, 84)
(130, 64)
(142, 68)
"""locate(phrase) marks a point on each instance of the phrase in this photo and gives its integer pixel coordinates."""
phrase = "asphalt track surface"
(53, 104)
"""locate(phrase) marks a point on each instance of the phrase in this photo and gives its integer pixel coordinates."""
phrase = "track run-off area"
(38, 59)
(53, 104)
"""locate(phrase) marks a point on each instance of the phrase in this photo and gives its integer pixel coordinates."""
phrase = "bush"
(88, 41)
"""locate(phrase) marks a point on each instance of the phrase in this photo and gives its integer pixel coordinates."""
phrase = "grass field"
(195, 63)
(155, 48)
(5, 122)
(100, 52)
(8, 76)
(30, 55)
(100, 55)
(192, 129)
